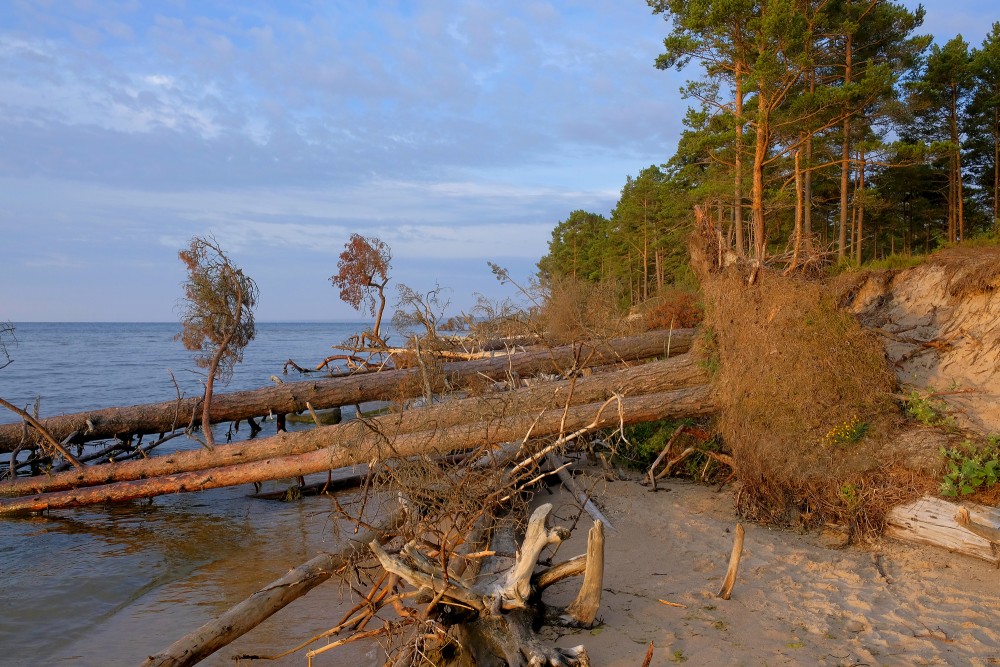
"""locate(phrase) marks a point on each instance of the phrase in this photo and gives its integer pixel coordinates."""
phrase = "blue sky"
(458, 132)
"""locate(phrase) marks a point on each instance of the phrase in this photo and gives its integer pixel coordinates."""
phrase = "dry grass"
(971, 270)
(576, 310)
(673, 308)
(806, 399)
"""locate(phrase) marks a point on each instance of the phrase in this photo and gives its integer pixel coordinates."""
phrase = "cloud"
(254, 95)
(456, 130)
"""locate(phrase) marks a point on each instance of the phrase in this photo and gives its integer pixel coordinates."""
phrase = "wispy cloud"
(458, 131)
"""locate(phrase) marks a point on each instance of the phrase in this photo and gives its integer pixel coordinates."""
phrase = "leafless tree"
(6, 337)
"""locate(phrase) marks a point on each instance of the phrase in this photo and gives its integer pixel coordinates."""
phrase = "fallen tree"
(350, 390)
(658, 376)
(372, 445)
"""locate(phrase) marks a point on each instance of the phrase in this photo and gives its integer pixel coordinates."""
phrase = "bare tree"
(419, 310)
(6, 336)
(218, 316)
(363, 274)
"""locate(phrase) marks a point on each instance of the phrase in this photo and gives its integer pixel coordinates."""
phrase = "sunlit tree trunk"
(738, 184)
(845, 154)
(799, 196)
(807, 176)
(860, 207)
(757, 206)
(956, 139)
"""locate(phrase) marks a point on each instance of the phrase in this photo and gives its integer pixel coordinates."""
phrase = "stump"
(499, 612)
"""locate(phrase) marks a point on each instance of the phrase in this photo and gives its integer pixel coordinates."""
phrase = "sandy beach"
(796, 601)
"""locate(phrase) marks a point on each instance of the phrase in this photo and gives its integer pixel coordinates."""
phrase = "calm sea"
(85, 366)
(110, 585)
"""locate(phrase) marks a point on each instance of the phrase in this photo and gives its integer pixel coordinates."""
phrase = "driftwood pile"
(459, 584)
(671, 388)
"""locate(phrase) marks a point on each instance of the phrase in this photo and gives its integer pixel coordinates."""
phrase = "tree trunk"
(959, 194)
(657, 376)
(845, 155)
(371, 445)
(952, 208)
(807, 226)
(206, 403)
(859, 205)
(350, 390)
(996, 170)
(932, 521)
(798, 212)
(381, 309)
(645, 251)
(738, 185)
(760, 155)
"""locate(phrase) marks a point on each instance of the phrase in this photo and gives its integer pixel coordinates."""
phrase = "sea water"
(110, 585)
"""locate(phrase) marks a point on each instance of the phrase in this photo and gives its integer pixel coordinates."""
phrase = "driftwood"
(260, 606)
(989, 532)
(658, 376)
(359, 388)
(582, 498)
(665, 452)
(499, 629)
(734, 564)
(370, 445)
(41, 430)
(936, 522)
(583, 610)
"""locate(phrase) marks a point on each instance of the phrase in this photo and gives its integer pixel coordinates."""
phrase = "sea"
(113, 584)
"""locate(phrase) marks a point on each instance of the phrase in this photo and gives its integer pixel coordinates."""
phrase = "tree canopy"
(831, 125)
(217, 316)
(363, 273)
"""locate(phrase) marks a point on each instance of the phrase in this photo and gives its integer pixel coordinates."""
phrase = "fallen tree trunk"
(658, 376)
(369, 445)
(933, 521)
(209, 638)
(350, 390)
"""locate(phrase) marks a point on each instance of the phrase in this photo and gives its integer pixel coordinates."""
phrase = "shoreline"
(796, 601)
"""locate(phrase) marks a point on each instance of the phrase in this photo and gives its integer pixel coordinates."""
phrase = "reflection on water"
(84, 568)
(110, 586)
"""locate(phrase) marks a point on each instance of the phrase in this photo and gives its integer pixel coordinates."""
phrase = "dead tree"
(377, 446)
(363, 273)
(658, 376)
(333, 392)
(497, 626)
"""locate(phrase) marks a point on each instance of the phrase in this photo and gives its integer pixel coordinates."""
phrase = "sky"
(458, 132)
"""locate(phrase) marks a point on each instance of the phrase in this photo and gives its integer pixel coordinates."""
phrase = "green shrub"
(896, 262)
(644, 442)
(928, 411)
(971, 468)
